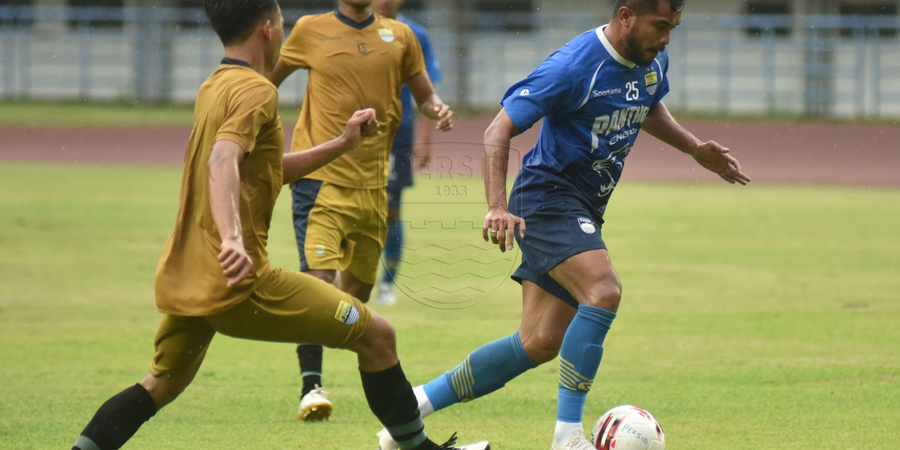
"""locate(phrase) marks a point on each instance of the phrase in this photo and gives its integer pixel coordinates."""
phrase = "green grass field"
(765, 317)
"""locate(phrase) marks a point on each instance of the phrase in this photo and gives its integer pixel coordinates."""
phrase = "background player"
(594, 94)
(355, 60)
(410, 147)
(214, 276)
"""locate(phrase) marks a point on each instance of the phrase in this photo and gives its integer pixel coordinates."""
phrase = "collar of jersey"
(351, 23)
(612, 50)
(235, 62)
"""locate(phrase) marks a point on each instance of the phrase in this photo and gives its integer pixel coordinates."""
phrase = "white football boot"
(385, 442)
(576, 442)
(314, 406)
(385, 295)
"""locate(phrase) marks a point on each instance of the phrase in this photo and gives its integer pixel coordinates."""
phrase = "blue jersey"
(401, 152)
(432, 67)
(593, 102)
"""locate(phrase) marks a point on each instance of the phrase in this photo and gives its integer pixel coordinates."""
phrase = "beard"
(634, 52)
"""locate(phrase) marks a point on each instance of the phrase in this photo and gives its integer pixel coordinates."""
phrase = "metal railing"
(834, 66)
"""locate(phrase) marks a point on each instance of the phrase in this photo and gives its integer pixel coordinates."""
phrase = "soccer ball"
(628, 428)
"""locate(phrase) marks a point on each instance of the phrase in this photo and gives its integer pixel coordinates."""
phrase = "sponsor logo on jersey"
(346, 313)
(587, 225)
(387, 35)
(362, 48)
(524, 92)
(620, 120)
(597, 93)
(652, 82)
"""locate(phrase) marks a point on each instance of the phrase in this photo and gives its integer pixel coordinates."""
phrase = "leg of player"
(122, 415)
(393, 250)
(314, 403)
(491, 366)
(592, 280)
(355, 287)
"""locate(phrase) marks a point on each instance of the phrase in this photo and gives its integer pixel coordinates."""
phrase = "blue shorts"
(401, 171)
(554, 232)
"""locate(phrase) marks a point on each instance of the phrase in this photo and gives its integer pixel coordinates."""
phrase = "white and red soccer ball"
(628, 428)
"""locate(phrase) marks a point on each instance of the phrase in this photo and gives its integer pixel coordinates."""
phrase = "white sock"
(425, 408)
(564, 431)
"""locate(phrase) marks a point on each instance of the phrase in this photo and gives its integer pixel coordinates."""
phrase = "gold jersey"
(234, 104)
(351, 66)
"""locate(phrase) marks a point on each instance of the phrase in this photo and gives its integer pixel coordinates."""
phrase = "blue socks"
(579, 358)
(485, 370)
(393, 249)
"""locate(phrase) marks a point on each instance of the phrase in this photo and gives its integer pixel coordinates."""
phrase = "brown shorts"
(285, 307)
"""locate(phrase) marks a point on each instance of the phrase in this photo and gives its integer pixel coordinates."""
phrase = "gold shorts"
(286, 306)
(339, 228)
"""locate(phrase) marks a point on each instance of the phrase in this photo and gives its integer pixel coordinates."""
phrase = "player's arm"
(422, 150)
(280, 72)
(360, 126)
(710, 154)
(430, 105)
(224, 200)
(499, 223)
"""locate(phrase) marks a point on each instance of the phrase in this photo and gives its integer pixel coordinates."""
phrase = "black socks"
(393, 402)
(310, 357)
(117, 420)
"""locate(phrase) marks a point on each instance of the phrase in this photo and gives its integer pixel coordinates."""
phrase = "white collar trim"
(612, 50)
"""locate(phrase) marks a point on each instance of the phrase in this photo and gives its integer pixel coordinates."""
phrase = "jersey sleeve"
(294, 50)
(664, 75)
(247, 111)
(550, 90)
(432, 66)
(413, 61)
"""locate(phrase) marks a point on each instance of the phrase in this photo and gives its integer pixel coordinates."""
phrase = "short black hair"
(645, 6)
(234, 20)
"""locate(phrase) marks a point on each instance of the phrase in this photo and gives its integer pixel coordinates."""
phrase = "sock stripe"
(414, 426)
(306, 374)
(570, 379)
(463, 381)
(412, 443)
(85, 443)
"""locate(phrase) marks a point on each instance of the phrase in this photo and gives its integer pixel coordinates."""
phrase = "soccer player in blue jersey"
(404, 153)
(595, 95)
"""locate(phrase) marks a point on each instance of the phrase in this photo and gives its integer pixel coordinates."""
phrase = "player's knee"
(163, 390)
(541, 349)
(606, 295)
(379, 342)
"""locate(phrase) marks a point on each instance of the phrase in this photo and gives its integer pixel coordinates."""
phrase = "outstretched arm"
(224, 200)
(711, 155)
(360, 126)
(430, 105)
(499, 222)
(280, 72)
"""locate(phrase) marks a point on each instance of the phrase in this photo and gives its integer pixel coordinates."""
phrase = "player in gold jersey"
(355, 59)
(214, 276)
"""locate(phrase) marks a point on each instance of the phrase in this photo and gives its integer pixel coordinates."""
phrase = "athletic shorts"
(554, 232)
(339, 228)
(286, 306)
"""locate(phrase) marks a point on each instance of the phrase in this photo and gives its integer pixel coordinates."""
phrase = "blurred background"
(811, 58)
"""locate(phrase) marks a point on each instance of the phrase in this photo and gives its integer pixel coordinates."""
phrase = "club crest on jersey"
(346, 314)
(652, 82)
(387, 35)
(587, 225)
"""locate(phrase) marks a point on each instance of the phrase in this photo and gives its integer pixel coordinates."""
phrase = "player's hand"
(715, 158)
(362, 124)
(500, 227)
(422, 155)
(437, 110)
(235, 261)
